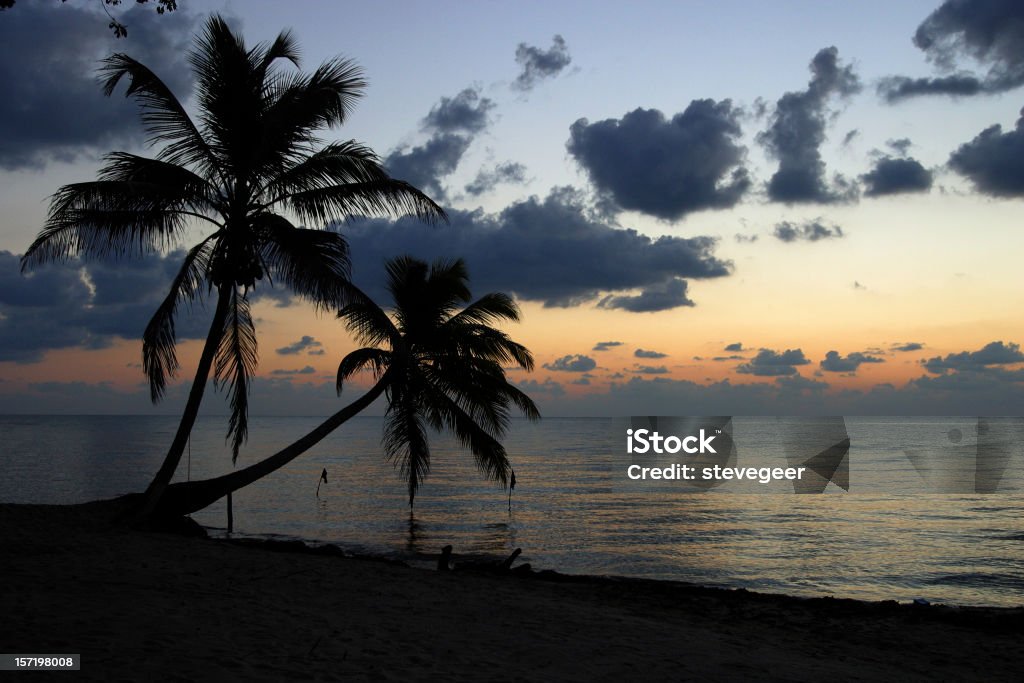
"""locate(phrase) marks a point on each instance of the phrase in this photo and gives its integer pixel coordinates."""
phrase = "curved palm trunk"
(158, 487)
(187, 497)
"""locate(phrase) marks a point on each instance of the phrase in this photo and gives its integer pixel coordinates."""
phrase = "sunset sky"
(703, 208)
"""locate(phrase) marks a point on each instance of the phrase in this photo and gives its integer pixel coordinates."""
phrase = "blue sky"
(632, 184)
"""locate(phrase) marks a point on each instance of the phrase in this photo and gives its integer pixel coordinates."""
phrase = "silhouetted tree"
(119, 29)
(440, 368)
(253, 154)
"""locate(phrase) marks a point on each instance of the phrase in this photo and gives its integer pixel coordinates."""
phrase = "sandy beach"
(144, 605)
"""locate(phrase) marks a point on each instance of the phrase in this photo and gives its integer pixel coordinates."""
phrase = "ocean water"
(894, 535)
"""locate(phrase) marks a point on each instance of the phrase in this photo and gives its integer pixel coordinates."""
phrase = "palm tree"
(250, 164)
(440, 368)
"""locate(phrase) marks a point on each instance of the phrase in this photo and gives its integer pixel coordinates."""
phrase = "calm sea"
(572, 510)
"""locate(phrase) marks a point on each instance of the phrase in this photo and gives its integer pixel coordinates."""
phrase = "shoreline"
(134, 603)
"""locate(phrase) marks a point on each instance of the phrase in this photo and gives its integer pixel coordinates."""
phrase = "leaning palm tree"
(440, 368)
(249, 165)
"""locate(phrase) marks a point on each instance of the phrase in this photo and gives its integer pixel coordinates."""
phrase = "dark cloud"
(641, 353)
(467, 112)
(738, 346)
(896, 176)
(509, 172)
(796, 132)
(534, 388)
(850, 137)
(719, 359)
(604, 346)
(895, 88)
(901, 145)
(810, 231)
(425, 166)
(307, 370)
(671, 294)
(665, 168)
(909, 346)
(538, 64)
(453, 123)
(53, 108)
(769, 363)
(994, 353)
(990, 32)
(308, 344)
(572, 363)
(548, 250)
(651, 370)
(835, 363)
(993, 161)
(88, 305)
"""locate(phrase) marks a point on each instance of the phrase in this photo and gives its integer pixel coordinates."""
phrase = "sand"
(141, 606)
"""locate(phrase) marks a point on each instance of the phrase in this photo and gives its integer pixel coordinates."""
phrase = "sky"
(701, 208)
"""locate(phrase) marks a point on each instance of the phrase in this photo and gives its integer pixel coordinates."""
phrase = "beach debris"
(444, 563)
(507, 564)
(322, 480)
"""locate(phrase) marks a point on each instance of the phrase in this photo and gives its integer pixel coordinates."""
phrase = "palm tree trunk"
(158, 486)
(188, 497)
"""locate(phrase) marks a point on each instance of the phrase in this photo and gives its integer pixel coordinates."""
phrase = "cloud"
(769, 363)
(666, 168)
(308, 344)
(719, 359)
(85, 305)
(537, 64)
(467, 112)
(796, 132)
(989, 32)
(453, 123)
(993, 161)
(641, 353)
(548, 250)
(895, 88)
(909, 346)
(669, 295)
(901, 146)
(896, 176)
(651, 370)
(994, 353)
(52, 98)
(307, 370)
(546, 388)
(745, 239)
(509, 172)
(425, 166)
(835, 363)
(737, 346)
(572, 363)
(809, 231)
(604, 346)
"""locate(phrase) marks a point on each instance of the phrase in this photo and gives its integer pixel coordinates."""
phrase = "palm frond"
(107, 219)
(163, 115)
(235, 364)
(385, 197)
(405, 439)
(312, 263)
(368, 323)
(159, 358)
(377, 360)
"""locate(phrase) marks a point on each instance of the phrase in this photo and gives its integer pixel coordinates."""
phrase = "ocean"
(894, 535)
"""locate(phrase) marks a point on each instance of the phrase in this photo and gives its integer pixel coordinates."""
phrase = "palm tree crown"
(443, 368)
(246, 167)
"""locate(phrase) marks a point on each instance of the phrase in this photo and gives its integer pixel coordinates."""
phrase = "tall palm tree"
(250, 164)
(440, 368)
